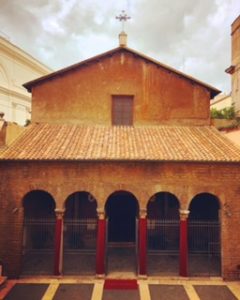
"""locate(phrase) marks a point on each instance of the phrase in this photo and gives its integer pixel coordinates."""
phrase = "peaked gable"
(84, 93)
(29, 85)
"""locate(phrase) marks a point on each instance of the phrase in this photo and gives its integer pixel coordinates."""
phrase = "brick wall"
(143, 179)
(84, 95)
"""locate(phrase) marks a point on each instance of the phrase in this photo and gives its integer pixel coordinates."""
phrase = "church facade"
(17, 67)
(120, 171)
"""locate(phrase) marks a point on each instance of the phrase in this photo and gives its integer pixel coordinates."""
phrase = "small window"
(122, 110)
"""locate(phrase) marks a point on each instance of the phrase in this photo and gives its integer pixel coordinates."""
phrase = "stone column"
(101, 244)
(58, 255)
(183, 262)
(142, 239)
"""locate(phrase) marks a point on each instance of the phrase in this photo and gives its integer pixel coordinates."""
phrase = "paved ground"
(93, 289)
(120, 259)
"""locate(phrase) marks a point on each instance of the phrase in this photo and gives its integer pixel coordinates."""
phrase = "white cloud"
(52, 26)
(190, 35)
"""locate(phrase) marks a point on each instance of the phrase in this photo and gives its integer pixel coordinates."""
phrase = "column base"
(141, 276)
(100, 276)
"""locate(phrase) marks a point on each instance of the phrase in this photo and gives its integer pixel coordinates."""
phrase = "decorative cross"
(123, 17)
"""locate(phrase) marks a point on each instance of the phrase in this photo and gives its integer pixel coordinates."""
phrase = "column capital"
(142, 213)
(59, 212)
(101, 213)
(184, 214)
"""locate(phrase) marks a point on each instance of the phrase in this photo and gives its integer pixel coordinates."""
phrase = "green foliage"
(227, 113)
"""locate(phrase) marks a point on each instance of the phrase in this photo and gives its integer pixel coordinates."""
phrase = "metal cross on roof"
(123, 17)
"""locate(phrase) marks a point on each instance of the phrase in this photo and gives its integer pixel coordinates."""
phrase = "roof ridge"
(30, 84)
(119, 126)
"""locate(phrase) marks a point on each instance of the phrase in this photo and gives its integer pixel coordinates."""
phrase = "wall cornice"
(14, 52)
(9, 92)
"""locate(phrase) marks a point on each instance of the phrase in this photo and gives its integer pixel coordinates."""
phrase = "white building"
(16, 68)
(221, 101)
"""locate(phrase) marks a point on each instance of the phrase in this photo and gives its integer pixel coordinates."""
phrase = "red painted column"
(183, 259)
(101, 245)
(142, 238)
(58, 254)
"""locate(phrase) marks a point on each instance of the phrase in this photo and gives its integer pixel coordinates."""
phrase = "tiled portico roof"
(121, 143)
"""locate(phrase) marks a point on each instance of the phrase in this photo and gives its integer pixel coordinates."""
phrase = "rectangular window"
(122, 110)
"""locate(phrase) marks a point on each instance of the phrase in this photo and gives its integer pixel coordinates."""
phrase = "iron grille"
(80, 235)
(204, 237)
(163, 235)
(39, 234)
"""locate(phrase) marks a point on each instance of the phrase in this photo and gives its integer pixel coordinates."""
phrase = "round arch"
(163, 205)
(38, 204)
(122, 209)
(204, 206)
(80, 205)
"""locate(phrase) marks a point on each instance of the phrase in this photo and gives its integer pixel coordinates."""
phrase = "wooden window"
(122, 110)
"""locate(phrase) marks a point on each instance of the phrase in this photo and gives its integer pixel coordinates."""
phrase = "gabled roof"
(30, 84)
(121, 143)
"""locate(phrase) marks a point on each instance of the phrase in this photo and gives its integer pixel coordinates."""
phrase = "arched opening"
(204, 236)
(80, 233)
(163, 234)
(122, 213)
(39, 233)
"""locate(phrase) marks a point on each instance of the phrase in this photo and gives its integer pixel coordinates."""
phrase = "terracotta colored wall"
(236, 62)
(84, 95)
(102, 179)
(13, 131)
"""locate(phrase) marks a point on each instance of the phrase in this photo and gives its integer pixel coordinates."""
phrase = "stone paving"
(93, 289)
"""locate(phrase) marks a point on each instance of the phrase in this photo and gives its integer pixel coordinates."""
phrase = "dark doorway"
(121, 210)
(122, 213)
(204, 236)
(38, 233)
(80, 233)
(163, 234)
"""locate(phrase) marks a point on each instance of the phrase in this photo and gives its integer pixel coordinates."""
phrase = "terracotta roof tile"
(155, 143)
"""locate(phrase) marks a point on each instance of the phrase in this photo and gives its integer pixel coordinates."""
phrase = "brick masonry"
(102, 179)
(82, 95)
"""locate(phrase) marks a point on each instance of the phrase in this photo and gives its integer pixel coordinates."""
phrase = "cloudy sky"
(190, 35)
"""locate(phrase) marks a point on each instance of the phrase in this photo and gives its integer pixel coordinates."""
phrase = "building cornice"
(18, 95)
(20, 55)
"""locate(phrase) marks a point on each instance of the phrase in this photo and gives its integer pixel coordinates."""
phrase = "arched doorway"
(204, 236)
(122, 213)
(39, 233)
(163, 234)
(80, 232)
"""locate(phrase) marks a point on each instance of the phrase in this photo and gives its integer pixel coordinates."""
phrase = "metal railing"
(163, 236)
(39, 234)
(80, 235)
(204, 237)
